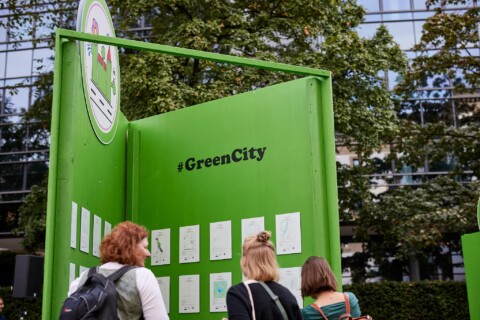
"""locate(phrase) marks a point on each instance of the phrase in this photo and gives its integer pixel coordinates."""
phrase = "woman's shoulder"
(352, 297)
(143, 272)
(239, 291)
(278, 287)
(310, 313)
(237, 288)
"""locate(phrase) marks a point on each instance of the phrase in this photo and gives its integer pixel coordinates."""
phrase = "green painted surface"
(136, 177)
(470, 245)
(88, 173)
(181, 52)
(291, 177)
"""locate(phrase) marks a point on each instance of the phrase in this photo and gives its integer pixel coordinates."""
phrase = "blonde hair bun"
(263, 236)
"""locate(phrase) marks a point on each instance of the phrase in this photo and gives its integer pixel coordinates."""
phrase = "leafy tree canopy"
(314, 33)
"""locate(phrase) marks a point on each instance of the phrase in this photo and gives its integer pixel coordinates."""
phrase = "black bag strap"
(119, 273)
(275, 298)
(114, 276)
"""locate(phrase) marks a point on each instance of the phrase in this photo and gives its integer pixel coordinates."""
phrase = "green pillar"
(470, 245)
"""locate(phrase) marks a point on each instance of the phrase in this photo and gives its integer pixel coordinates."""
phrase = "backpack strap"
(347, 302)
(115, 275)
(92, 271)
(346, 315)
(275, 298)
(119, 273)
(314, 305)
(246, 283)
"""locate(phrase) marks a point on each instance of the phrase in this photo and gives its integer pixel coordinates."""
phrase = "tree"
(438, 132)
(416, 220)
(32, 218)
(314, 33)
(447, 58)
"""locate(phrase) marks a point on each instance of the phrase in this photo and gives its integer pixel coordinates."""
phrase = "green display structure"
(266, 155)
(471, 258)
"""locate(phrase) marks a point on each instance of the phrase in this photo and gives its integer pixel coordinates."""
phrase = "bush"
(413, 300)
(15, 306)
(381, 300)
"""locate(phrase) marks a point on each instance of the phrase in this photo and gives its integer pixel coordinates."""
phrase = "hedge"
(381, 300)
(413, 300)
(15, 306)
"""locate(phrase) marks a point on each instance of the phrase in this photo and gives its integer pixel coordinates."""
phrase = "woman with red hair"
(138, 290)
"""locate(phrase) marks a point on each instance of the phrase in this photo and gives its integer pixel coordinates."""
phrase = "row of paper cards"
(85, 233)
(189, 289)
(287, 232)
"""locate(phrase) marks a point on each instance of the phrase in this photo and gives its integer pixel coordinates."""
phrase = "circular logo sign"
(100, 69)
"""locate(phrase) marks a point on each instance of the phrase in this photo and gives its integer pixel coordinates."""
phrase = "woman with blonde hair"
(139, 295)
(319, 282)
(260, 297)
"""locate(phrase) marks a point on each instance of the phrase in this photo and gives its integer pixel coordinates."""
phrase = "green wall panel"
(470, 245)
(283, 121)
(89, 173)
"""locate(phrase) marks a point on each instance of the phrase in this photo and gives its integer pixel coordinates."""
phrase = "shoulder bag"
(272, 295)
(345, 316)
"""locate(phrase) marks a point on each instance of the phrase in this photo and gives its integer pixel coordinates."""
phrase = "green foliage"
(37, 19)
(32, 219)
(455, 38)
(15, 306)
(416, 218)
(314, 33)
(413, 300)
(413, 220)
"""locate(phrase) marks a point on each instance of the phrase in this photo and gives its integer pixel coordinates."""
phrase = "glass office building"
(404, 20)
(24, 57)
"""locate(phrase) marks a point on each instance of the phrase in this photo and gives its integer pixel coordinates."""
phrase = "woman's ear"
(243, 262)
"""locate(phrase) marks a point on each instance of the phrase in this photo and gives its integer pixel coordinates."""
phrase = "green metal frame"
(63, 36)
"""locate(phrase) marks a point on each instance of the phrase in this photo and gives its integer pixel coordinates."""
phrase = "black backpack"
(95, 299)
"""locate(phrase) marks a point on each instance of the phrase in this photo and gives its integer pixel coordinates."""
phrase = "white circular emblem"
(100, 69)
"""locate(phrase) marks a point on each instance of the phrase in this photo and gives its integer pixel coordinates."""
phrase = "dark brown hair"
(317, 277)
(259, 261)
(120, 245)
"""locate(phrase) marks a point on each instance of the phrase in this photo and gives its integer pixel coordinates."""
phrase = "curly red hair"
(120, 245)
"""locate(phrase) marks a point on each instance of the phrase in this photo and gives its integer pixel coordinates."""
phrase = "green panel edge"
(52, 178)
(180, 52)
(132, 187)
(470, 244)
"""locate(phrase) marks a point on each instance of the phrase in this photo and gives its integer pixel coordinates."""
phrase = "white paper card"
(164, 284)
(289, 239)
(291, 278)
(72, 273)
(73, 226)
(219, 285)
(189, 294)
(97, 235)
(252, 226)
(190, 244)
(160, 247)
(85, 231)
(83, 269)
(221, 240)
(107, 228)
